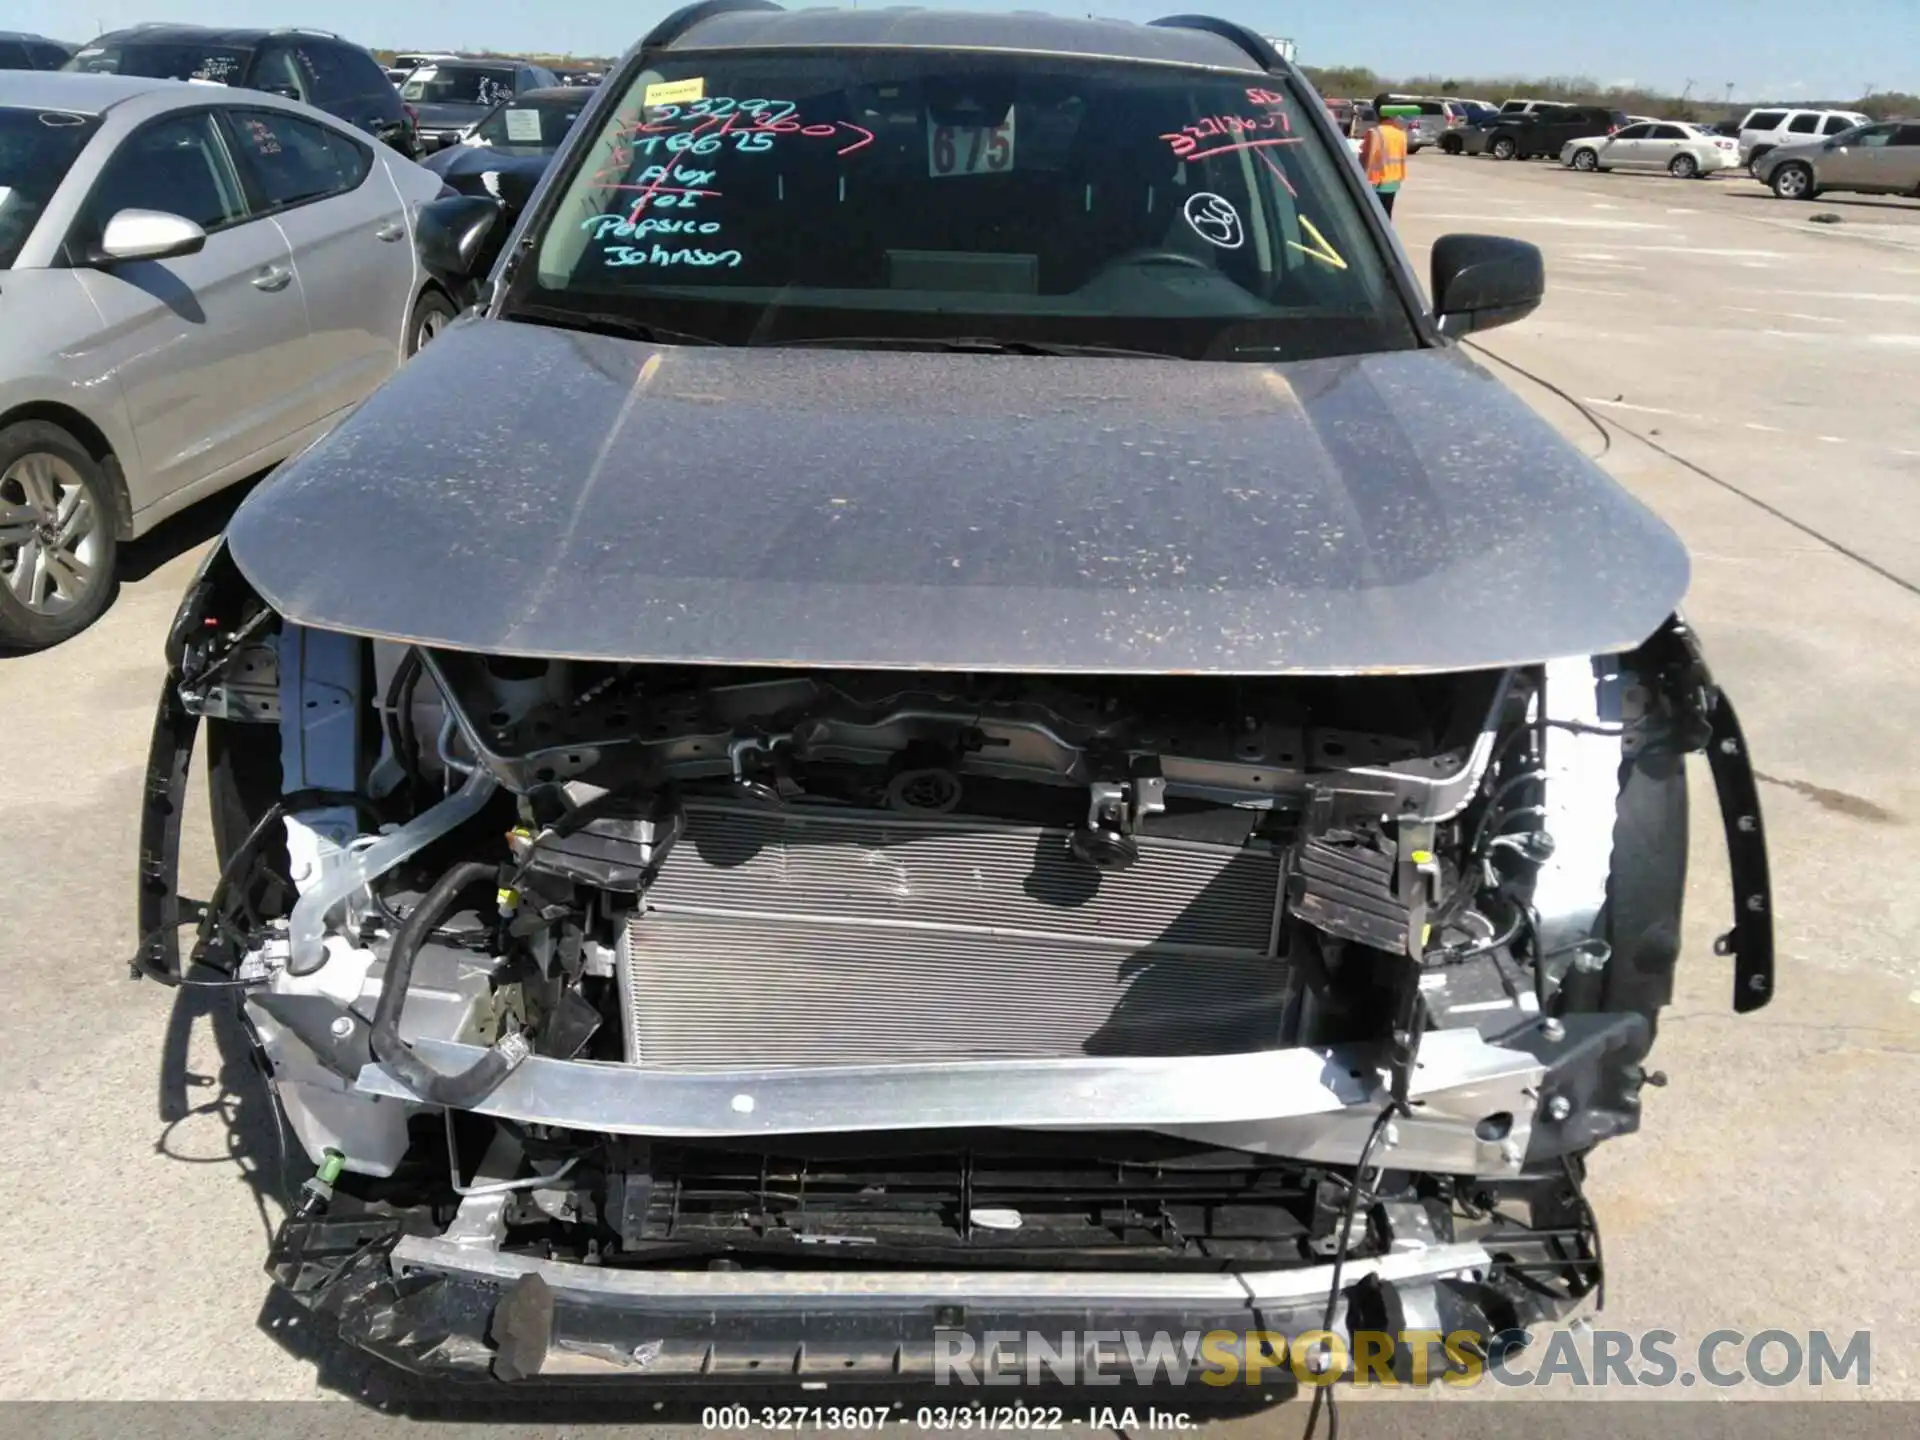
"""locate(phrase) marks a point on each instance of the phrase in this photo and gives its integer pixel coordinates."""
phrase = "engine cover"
(786, 937)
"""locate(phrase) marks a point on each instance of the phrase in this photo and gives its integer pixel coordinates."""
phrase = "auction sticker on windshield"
(674, 92)
(969, 149)
(523, 126)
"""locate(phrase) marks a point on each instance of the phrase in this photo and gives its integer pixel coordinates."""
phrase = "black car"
(1523, 137)
(20, 51)
(313, 66)
(505, 154)
(451, 96)
(953, 712)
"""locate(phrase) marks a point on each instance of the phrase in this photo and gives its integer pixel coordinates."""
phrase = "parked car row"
(1514, 134)
(1439, 115)
(1798, 154)
(316, 67)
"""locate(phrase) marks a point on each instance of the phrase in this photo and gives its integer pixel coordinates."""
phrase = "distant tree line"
(1356, 81)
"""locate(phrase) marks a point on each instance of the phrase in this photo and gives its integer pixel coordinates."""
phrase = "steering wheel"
(1154, 255)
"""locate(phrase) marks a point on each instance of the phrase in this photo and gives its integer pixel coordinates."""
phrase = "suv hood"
(518, 489)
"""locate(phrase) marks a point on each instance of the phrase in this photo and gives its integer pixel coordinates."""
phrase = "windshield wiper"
(602, 322)
(966, 345)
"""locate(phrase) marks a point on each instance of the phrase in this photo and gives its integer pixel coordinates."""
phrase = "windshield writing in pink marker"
(1217, 134)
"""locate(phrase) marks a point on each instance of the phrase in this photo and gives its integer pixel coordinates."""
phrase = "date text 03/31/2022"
(941, 1418)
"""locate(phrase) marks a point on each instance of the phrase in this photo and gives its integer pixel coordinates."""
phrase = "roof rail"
(685, 18)
(1255, 45)
(305, 30)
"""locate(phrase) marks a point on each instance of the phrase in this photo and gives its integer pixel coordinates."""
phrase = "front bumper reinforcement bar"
(1310, 1103)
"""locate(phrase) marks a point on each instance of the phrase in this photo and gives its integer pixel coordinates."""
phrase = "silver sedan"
(195, 283)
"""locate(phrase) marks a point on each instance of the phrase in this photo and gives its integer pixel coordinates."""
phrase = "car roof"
(552, 92)
(1024, 30)
(166, 31)
(492, 62)
(83, 93)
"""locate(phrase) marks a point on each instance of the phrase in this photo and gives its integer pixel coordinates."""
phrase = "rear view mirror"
(148, 235)
(1481, 281)
(451, 234)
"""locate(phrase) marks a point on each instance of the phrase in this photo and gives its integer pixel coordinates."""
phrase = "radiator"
(782, 938)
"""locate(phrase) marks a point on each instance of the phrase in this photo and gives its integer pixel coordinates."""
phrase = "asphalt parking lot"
(1746, 371)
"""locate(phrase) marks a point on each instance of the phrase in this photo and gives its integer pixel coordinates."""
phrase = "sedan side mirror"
(451, 234)
(1481, 281)
(147, 235)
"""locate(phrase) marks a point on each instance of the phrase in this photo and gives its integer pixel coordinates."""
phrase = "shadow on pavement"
(180, 533)
(1890, 204)
(237, 1093)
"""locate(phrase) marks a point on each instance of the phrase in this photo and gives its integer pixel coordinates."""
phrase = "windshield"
(164, 60)
(810, 195)
(530, 127)
(36, 149)
(458, 85)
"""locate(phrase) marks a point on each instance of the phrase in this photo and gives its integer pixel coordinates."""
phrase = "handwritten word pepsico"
(625, 227)
(623, 255)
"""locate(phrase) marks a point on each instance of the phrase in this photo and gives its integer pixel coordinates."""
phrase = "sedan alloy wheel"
(50, 540)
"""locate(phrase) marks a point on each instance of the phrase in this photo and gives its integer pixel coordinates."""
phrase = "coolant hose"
(478, 1080)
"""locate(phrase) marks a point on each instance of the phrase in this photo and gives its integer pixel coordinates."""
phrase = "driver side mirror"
(285, 92)
(147, 235)
(451, 234)
(1482, 281)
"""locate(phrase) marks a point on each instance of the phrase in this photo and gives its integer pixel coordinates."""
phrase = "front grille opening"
(1000, 1199)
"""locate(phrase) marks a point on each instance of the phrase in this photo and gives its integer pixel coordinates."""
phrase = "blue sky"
(1775, 49)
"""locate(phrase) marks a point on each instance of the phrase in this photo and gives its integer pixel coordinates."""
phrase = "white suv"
(1765, 130)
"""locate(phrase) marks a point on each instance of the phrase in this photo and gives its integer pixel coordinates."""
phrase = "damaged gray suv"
(997, 732)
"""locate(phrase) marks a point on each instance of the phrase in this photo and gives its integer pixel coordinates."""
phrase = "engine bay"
(650, 967)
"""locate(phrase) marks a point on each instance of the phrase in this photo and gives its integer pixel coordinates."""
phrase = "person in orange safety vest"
(1383, 152)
